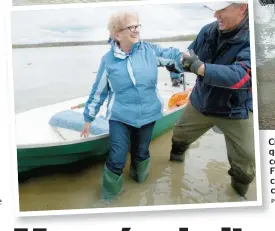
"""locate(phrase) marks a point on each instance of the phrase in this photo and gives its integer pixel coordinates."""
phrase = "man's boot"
(240, 188)
(177, 153)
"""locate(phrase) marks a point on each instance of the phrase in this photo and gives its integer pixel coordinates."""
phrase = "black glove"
(172, 68)
(191, 63)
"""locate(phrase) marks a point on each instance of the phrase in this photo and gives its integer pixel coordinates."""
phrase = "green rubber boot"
(111, 185)
(140, 170)
(240, 188)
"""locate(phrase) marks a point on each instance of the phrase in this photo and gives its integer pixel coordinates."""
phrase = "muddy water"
(265, 53)
(202, 178)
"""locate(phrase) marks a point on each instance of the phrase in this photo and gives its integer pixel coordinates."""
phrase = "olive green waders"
(239, 140)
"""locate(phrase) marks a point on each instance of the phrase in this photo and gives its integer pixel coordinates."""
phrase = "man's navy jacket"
(225, 90)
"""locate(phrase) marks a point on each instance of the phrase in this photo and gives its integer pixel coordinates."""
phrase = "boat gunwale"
(88, 139)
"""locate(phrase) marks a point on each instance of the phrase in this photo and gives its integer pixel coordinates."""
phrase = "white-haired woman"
(128, 76)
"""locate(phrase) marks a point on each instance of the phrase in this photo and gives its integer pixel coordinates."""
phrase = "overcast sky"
(84, 24)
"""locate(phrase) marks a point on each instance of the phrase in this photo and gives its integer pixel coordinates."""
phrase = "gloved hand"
(172, 68)
(191, 62)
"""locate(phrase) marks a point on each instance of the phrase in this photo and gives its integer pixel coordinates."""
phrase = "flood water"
(201, 179)
(265, 55)
(44, 76)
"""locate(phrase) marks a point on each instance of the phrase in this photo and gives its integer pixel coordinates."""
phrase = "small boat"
(50, 135)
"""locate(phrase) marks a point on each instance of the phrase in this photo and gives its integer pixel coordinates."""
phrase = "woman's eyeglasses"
(133, 28)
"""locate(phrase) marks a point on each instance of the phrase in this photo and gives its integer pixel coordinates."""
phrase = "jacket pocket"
(223, 101)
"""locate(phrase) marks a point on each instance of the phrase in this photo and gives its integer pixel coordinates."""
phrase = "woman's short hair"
(118, 21)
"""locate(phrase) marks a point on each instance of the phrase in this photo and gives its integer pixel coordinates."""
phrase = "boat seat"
(73, 120)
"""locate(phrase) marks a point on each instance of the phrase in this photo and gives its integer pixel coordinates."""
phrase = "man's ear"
(244, 7)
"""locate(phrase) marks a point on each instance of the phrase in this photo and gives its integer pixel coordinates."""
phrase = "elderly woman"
(128, 75)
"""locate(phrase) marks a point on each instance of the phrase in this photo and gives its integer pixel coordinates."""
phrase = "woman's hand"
(86, 130)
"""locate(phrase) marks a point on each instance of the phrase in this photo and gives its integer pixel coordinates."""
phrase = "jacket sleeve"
(194, 45)
(200, 37)
(168, 56)
(235, 76)
(98, 94)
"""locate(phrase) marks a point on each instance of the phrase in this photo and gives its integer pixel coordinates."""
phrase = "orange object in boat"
(179, 99)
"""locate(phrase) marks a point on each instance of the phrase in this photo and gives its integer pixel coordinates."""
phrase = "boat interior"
(59, 124)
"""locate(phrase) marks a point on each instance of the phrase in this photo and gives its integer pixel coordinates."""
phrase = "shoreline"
(100, 42)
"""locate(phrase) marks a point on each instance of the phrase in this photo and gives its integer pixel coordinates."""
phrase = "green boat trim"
(70, 152)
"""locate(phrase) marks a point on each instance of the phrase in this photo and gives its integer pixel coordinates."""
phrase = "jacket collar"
(118, 53)
(240, 33)
(237, 35)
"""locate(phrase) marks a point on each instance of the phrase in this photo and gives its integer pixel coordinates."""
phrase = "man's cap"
(221, 5)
